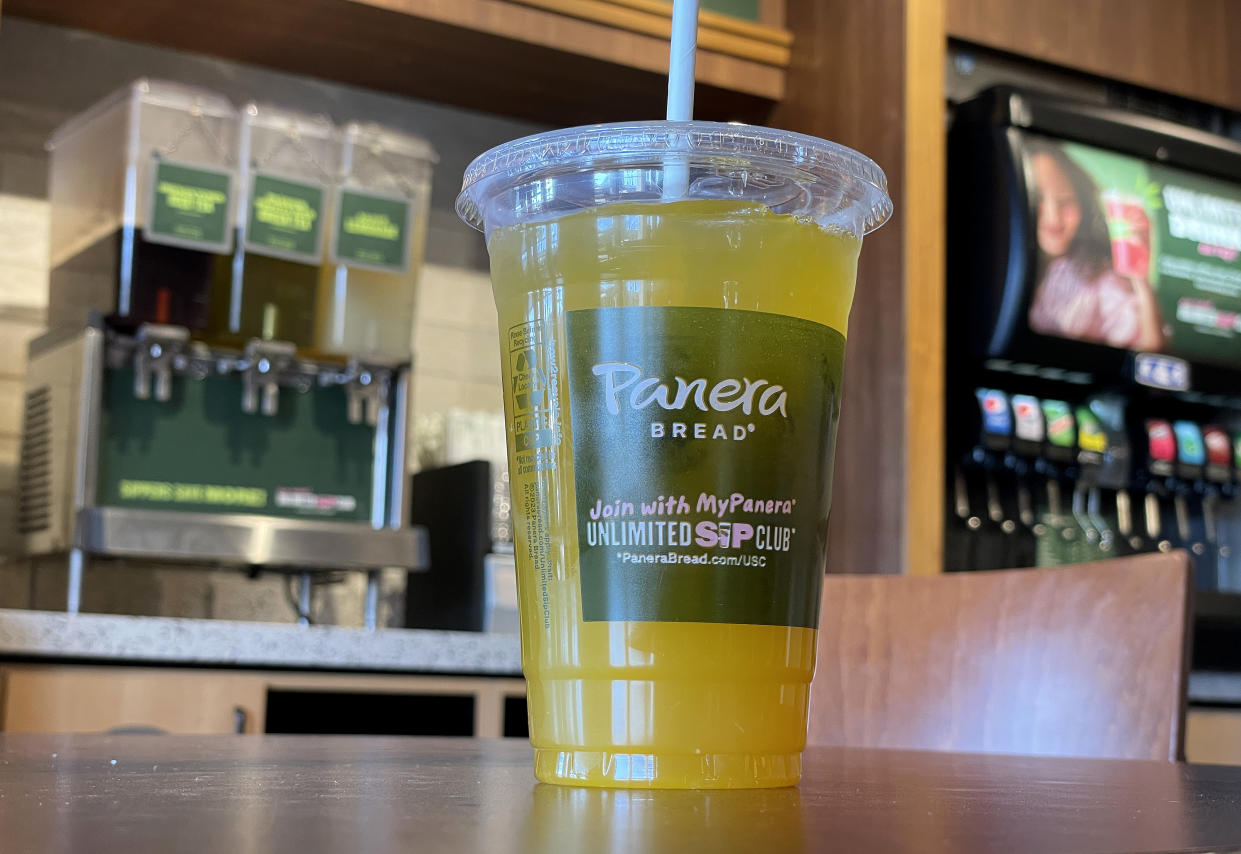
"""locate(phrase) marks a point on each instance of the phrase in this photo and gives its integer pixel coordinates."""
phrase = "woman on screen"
(1079, 294)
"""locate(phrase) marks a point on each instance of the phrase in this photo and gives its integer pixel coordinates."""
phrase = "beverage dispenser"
(290, 161)
(179, 410)
(1094, 358)
(368, 289)
(142, 189)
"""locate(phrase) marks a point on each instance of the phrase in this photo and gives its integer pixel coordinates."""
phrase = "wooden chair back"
(1083, 660)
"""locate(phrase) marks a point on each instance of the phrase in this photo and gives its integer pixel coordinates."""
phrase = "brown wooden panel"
(1213, 736)
(846, 83)
(925, 238)
(1187, 47)
(481, 54)
(97, 699)
(57, 698)
(1087, 660)
(771, 12)
(865, 74)
(723, 33)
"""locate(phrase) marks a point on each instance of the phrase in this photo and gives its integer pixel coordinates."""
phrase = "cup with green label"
(671, 373)
(673, 299)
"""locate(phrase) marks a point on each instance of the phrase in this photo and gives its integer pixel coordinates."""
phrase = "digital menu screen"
(1133, 254)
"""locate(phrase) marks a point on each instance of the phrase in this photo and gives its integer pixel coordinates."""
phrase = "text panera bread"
(723, 396)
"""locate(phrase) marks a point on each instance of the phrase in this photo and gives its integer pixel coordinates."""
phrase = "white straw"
(681, 56)
(681, 60)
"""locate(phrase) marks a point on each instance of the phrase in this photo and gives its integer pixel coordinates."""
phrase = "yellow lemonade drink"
(672, 375)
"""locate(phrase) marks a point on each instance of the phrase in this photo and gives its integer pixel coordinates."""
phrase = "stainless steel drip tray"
(249, 540)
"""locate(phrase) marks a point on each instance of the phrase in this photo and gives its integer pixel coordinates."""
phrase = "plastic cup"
(671, 371)
(1129, 230)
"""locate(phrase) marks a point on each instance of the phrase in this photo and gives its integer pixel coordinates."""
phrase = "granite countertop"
(165, 640)
(226, 643)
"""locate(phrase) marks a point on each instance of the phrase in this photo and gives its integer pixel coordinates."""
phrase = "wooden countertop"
(306, 794)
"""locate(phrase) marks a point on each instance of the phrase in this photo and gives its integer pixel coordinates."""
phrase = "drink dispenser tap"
(158, 346)
(994, 443)
(1188, 492)
(1053, 529)
(1105, 457)
(998, 546)
(264, 360)
(366, 391)
(1061, 452)
(961, 501)
(1160, 467)
(963, 535)
(1092, 454)
(1217, 475)
(1228, 525)
(1195, 525)
(1027, 527)
(967, 532)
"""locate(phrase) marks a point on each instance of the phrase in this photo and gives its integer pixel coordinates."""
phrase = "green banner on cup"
(702, 473)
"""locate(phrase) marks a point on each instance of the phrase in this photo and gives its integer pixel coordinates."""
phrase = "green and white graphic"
(1090, 434)
(1061, 429)
(198, 452)
(1181, 234)
(372, 231)
(1199, 268)
(285, 219)
(189, 206)
(702, 454)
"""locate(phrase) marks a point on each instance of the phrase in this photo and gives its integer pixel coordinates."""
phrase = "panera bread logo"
(626, 382)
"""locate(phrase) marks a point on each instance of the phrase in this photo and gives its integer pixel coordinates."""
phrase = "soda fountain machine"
(1094, 364)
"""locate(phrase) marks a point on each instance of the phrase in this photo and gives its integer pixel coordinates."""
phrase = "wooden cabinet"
(1213, 736)
(97, 699)
(559, 61)
(1186, 48)
(61, 698)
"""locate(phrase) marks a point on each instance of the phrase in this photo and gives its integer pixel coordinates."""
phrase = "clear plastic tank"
(142, 187)
(378, 235)
(291, 162)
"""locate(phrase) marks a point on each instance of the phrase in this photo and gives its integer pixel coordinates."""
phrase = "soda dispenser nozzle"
(1189, 495)
(1094, 511)
(158, 346)
(264, 360)
(1124, 520)
(366, 391)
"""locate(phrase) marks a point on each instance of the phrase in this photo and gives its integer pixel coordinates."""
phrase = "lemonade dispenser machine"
(178, 409)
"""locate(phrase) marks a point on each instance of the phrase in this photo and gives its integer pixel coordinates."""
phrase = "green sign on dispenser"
(372, 231)
(285, 218)
(189, 206)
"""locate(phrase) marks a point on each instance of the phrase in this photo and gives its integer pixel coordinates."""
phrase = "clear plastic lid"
(289, 122)
(375, 157)
(379, 139)
(290, 142)
(148, 92)
(553, 174)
